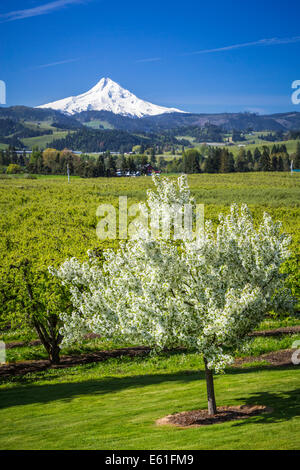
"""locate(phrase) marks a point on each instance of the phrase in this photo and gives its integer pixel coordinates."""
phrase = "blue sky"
(212, 56)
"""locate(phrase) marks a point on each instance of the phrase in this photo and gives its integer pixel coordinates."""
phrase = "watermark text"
(2, 92)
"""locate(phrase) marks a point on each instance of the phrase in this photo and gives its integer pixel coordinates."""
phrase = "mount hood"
(108, 95)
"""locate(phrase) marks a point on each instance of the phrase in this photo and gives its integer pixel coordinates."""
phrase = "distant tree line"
(208, 160)
(272, 136)
(52, 161)
(88, 140)
(221, 160)
(207, 133)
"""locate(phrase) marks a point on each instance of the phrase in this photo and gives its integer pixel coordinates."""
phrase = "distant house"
(149, 170)
(21, 152)
(127, 173)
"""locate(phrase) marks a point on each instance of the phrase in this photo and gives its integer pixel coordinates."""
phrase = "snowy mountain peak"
(104, 82)
(108, 95)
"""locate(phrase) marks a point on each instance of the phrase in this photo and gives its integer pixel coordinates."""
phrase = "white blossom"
(204, 294)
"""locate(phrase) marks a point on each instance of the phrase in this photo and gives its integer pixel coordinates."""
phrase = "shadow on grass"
(29, 394)
(286, 404)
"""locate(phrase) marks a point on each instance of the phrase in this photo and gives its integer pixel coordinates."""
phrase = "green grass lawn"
(114, 405)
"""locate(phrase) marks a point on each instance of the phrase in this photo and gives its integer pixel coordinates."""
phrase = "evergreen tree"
(286, 163)
(226, 162)
(208, 165)
(35, 164)
(144, 160)
(191, 159)
(274, 163)
(100, 167)
(111, 166)
(153, 157)
(274, 150)
(131, 164)
(265, 162)
(297, 157)
(282, 148)
(249, 156)
(280, 163)
(216, 159)
(256, 155)
(241, 162)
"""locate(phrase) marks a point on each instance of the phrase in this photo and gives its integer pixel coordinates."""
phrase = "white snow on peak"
(108, 95)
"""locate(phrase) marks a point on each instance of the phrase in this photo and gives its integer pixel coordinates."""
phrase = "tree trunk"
(212, 407)
(47, 327)
(53, 353)
(50, 340)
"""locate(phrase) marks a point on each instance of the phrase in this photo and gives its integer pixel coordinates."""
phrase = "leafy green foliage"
(30, 296)
(47, 220)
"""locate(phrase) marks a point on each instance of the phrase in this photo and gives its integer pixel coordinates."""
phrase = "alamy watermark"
(2, 352)
(2, 92)
(296, 354)
(137, 221)
(296, 93)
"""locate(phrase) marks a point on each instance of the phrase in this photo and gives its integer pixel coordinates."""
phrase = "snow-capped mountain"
(108, 95)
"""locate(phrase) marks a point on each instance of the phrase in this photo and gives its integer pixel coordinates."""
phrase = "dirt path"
(288, 330)
(275, 359)
(25, 367)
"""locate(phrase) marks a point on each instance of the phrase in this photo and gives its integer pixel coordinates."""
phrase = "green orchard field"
(48, 220)
(114, 404)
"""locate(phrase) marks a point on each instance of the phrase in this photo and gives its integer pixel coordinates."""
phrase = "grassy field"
(291, 145)
(97, 124)
(43, 140)
(252, 141)
(114, 404)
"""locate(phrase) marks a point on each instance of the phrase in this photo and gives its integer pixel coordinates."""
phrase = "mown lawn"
(114, 405)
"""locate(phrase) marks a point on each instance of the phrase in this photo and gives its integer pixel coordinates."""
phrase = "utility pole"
(68, 172)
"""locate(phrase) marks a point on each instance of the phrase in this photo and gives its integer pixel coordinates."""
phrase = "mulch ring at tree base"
(197, 418)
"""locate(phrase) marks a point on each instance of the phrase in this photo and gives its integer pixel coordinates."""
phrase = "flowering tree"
(204, 293)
